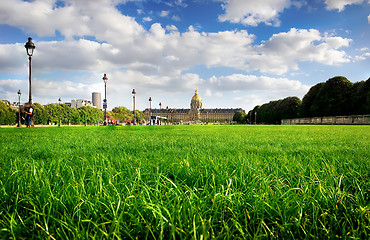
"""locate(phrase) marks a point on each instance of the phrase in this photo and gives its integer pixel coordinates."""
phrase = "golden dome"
(196, 101)
(196, 96)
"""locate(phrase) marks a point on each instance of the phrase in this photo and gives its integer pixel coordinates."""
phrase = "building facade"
(80, 103)
(96, 99)
(196, 112)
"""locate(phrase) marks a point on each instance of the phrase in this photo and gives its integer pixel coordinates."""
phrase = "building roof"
(196, 102)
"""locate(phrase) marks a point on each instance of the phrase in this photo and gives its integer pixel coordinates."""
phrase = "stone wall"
(337, 120)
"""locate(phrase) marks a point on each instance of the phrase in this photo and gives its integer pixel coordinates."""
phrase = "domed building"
(195, 114)
(196, 101)
(195, 105)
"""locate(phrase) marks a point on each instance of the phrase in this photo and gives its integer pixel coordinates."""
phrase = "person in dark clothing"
(28, 112)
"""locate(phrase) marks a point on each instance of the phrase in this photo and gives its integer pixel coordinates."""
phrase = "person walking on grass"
(28, 112)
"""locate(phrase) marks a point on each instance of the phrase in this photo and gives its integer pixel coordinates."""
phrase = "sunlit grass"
(183, 182)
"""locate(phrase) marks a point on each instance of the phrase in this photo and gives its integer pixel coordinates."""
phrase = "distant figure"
(28, 112)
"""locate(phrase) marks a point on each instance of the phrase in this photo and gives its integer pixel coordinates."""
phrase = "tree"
(90, 115)
(289, 108)
(95, 115)
(333, 98)
(252, 114)
(121, 113)
(307, 110)
(7, 114)
(274, 111)
(139, 115)
(70, 115)
(360, 98)
(337, 96)
(240, 117)
(52, 112)
(40, 115)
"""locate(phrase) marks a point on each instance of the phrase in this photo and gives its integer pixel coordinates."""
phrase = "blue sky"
(237, 53)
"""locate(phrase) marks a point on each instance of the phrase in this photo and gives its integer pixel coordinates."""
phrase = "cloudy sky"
(237, 53)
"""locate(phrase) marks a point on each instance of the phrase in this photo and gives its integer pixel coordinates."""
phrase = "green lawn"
(184, 182)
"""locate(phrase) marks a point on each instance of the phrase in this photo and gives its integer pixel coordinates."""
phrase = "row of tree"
(123, 114)
(49, 114)
(7, 114)
(335, 97)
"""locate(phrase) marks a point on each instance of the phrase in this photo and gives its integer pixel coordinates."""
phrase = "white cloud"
(253, 83)
(15, 62)
(283, 51)
(362, 57)
(368, 19)
(48, 91)
(171, 28)
(365, 55)
(10, 87)
(251, 12)
(180, 3)
(43, 89)
(82, 55)
(251, 90)
(176, 18)
(340, 4)
(158, 59)
(76, 18)
(208, 92)
(167, 52)
(164, 13)
(128, 44)
(147, 19)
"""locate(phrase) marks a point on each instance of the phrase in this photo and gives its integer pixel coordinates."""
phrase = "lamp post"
(19, 105)
(30, 47)
(85, 104)
(150, 107)
(133, 94)
(105, 79)
(160, 108)
(59, 111)
(255, 117)
(166, 115)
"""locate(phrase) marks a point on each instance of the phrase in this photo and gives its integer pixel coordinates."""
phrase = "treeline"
(7, 114)
(335, 97)
(123, 114)
(49, 114)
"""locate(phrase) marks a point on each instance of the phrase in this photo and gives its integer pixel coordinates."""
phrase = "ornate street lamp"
(166, 112)
(19, 104)
(133, 94)
(160, 108)
(105, 79)
(59, 111)
(150, 107)
(30, 47)
(85, 104)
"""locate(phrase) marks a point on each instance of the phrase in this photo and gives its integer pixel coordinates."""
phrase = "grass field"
(185, 182)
